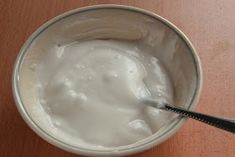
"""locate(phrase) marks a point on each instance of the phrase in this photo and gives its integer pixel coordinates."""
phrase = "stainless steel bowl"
(110, 22)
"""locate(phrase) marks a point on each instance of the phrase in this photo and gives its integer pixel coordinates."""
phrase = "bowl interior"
(117, 24)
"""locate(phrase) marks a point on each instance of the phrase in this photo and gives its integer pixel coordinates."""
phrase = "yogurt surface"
(92, 91)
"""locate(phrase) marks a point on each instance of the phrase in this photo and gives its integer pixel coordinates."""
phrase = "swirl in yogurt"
(92, 92)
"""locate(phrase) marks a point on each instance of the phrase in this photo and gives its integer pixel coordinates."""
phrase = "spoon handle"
(225, 124)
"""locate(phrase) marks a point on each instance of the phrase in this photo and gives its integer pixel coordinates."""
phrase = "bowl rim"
(52, 140)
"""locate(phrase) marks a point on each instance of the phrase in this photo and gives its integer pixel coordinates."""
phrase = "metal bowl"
(119, 22)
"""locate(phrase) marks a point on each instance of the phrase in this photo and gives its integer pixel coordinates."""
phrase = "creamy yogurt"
(92, 91)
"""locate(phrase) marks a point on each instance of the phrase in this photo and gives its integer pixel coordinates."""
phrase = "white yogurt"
(92, 92)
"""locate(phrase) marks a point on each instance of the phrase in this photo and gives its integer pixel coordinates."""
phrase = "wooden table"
(209, 24)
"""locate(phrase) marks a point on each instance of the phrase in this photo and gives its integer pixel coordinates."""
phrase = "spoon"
(225, 124)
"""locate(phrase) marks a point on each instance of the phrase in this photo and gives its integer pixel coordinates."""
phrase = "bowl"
(115, 22)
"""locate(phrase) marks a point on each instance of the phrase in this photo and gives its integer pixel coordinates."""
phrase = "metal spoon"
(225, 124)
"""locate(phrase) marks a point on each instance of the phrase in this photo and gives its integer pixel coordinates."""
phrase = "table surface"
(210, 25)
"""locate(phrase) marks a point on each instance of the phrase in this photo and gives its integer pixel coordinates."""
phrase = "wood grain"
(210, 25)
